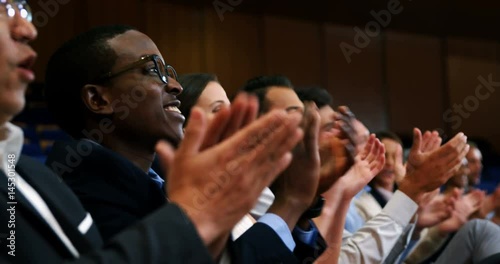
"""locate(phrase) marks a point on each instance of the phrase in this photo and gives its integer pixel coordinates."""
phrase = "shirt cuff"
(280, 227)
(307, 237)
(401, 208)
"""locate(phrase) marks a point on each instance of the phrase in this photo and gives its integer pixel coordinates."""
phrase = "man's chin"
(9, 111)
(173, 139)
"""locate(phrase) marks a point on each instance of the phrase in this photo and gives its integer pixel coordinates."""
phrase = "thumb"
(417, 141)
(195, 133)
(166, 155)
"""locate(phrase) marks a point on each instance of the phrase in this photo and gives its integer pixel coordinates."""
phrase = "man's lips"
(172, 109)
(26, 74)
(173, 106)
(24, 68)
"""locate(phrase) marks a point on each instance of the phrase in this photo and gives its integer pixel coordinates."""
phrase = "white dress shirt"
(367, 206)
(265, 201)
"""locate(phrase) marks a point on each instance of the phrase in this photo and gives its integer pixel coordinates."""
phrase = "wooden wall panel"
(293, 48)
(470, 63)
(233, 48)
(117, 12)
(53, 30)
(415, 82)
(178, 33)
(357, 84)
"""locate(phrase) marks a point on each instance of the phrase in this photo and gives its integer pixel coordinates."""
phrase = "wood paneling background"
(399, 81)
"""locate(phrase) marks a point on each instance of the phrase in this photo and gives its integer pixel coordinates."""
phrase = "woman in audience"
(204, 90)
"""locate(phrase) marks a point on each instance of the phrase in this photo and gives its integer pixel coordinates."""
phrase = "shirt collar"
(13, 144)
(385, 193)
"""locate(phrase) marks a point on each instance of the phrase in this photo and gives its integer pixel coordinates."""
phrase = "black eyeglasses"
(12, 7)
(163, 71)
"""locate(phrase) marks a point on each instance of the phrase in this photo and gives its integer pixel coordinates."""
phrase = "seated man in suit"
(120, 99)
(46, 223)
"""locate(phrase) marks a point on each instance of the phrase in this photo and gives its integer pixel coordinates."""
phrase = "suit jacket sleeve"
(166, 236)
(260, 244)
(307, 253)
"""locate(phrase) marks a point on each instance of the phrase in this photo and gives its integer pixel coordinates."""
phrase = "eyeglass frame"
(143, 60)
(12, 7)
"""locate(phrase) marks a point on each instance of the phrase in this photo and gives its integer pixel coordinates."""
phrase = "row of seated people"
(110, 89)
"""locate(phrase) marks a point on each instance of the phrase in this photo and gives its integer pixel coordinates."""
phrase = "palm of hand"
(434, 212)
(496, 198)
(357, 177)
(464, 208)
(334, 163)
(300, 180)
(367, 164)
(429, 165)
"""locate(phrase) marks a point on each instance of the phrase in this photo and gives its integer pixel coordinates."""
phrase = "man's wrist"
(315, 209)
(207, 230)
(411, 190)
(289, 209)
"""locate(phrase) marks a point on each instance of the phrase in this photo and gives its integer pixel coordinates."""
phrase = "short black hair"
(316, 94)
(388, 135)
(193, 85)
(259, 87)
(76, 63)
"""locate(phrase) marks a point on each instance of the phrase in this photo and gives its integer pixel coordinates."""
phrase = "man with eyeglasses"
(42, 221)
(117, 113)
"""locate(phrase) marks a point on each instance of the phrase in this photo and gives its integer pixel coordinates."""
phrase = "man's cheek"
(325, 136)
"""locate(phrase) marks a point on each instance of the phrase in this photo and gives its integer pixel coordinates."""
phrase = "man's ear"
(97, 99)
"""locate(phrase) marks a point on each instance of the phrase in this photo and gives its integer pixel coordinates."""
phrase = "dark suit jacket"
(118, 194)
(112, 189)
(153, 240)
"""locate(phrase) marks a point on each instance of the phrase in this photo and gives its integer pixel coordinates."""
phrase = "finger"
(449, 152)
(253, 108)
(344, 110)
(368, 147)
(399, 155)
(456, 156)
(456, 163)
(417, 141)
(347, 129)
(266, 132)
(238, 112)
(216, 128)
(436, 141)
(381, 155)
(281, 149)
(268, 163)
(194, 133)
(426, 138)
(373, 151)
(165, 154)
(311, 132)
(380, 161)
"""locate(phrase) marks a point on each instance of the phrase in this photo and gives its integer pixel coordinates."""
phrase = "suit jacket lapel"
(31, 214)
(62, 202)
